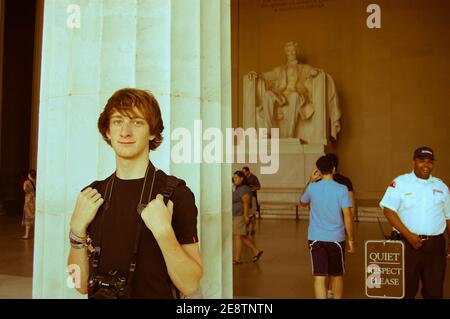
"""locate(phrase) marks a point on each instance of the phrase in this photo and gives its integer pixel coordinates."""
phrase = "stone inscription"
(288, 5)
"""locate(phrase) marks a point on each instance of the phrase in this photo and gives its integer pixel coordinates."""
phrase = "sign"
(385, 275)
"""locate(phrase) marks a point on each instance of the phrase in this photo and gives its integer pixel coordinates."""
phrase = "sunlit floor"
(16, 259)
(284, 270)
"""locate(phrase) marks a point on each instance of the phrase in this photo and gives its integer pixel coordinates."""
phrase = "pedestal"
(280, 191)
(296, 162)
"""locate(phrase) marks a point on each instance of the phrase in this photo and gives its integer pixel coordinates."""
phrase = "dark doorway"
(16, 100)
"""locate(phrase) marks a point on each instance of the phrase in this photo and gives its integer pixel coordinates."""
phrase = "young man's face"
(423, 167)
(129, 136)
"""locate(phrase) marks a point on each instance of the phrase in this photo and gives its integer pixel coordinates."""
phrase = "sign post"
(385, 275)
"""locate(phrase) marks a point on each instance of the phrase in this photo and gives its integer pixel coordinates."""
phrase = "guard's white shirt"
(422, 205)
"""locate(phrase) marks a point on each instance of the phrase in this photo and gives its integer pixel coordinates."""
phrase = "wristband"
(76, 239)
(77, 242)
(80, 243)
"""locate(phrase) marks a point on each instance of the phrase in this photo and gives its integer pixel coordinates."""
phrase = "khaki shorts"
(239, 226)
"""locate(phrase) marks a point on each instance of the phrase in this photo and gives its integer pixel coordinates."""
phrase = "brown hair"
(123, 101)
(241, 175)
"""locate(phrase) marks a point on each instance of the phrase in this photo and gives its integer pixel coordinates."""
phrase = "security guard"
(417, 206)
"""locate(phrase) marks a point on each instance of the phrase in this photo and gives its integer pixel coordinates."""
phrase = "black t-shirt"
(253, 181)
(341, 179)
(151, 279)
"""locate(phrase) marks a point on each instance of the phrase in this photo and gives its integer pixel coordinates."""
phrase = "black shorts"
(327, 257)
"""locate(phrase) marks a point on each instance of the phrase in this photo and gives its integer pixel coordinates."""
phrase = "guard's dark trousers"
(427, 264)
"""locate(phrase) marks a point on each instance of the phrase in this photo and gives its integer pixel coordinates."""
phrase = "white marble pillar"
(178, 49)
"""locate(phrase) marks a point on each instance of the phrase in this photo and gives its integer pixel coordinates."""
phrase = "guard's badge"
(392, 184)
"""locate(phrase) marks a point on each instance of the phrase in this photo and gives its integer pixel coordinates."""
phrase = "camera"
(110, 286)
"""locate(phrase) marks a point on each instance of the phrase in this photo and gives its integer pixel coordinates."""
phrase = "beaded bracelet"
(77, 242)
(76, 239)
(87, 245)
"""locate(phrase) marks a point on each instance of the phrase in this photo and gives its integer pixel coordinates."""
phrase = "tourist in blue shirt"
(330, 218)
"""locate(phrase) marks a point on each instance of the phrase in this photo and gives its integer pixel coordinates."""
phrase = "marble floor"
(16, 259)
(284, 270)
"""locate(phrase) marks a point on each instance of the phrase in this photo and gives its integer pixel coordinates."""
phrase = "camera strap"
(171, 183)
(105, 207)
(140, 208)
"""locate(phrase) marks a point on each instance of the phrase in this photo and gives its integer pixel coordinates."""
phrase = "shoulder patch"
(392, 184)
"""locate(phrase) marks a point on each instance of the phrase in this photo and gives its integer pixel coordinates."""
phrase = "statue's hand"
(314, 72)
(252, 75)
(280, 99)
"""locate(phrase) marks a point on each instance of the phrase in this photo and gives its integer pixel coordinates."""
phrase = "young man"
(168, 254)
(330, 218)
(255, 186)
(343, 180)
(418, 207)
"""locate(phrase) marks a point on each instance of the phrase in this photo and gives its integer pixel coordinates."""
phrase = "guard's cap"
(424, 152)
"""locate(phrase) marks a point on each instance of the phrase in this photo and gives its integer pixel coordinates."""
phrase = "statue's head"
(290, 48)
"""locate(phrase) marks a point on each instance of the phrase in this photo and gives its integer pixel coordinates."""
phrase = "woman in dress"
(29, 187)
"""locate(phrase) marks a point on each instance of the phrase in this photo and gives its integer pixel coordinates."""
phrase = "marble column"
(180, 50)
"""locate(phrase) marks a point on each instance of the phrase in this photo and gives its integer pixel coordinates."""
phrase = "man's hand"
(246, 220)
(315, 175)
(157, 216)
(414, 240)
(351, 247)
(88, 203)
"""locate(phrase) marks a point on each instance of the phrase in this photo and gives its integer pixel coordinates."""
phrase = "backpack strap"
(171, 183)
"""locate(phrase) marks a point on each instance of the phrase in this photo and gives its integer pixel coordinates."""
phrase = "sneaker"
(330, 294)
